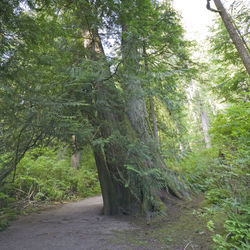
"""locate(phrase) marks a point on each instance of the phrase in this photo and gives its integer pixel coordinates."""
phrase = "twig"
(20, 190)
(188, 245)
(111, 75)
(227, 236)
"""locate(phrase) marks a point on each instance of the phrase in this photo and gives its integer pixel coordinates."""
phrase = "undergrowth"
(222, 173)
(45, 175)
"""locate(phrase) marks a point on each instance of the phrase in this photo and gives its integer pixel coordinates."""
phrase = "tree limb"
(209, 7)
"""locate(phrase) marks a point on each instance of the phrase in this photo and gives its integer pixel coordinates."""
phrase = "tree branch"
(209, 7)
(115, 71)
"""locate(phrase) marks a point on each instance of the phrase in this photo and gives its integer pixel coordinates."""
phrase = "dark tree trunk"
(108, 192)
(110, 159)
(110, 164)
(238, 42)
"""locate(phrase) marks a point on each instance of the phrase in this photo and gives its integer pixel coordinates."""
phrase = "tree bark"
(110, 158)
(137, 111)
(75, 159)
(110, 206)
(76, 155)
(204, 123)
(181, 146)
(138, 115)
(239, 44)
(110, 164)
(154, 119)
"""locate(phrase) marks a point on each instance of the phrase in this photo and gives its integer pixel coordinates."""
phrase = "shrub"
(222, 173)
(45, 174)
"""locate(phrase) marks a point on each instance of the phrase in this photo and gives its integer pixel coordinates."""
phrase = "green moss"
(219, 220)
(175, 230)
(204, 203)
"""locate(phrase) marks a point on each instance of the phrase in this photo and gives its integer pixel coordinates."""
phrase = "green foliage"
(228, 172)
(237, 230)
(3, 199)
(231, 134)
(45, 174)
(36, 100)
(210, 225)
(231, 128)
(231, 79)
(87, 183)
(3, 224)
(196, 167)
(50, 177)
(222, 173)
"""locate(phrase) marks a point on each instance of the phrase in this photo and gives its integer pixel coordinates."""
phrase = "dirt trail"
(78, 225)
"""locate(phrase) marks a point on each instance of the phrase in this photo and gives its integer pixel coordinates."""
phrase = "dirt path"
(78, 225)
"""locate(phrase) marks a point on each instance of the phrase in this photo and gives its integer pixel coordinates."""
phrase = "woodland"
(106, 97)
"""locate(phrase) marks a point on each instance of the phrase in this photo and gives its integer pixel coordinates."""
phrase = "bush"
(87, 183)
(222, 173)
(45, 174)
(3, 224)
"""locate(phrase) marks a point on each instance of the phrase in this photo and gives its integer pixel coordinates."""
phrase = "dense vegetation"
(44, 176)
(106, 92)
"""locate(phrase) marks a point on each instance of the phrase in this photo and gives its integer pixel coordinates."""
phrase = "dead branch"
(228, 235)
(188, 245)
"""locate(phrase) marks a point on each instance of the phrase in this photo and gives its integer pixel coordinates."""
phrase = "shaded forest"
(106, 97)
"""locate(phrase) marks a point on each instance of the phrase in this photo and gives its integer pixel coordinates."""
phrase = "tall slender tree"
(234, 35)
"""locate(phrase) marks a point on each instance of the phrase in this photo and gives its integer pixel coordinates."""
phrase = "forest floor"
(80, 225)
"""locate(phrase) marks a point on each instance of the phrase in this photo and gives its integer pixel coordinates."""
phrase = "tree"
(224, 57)
(100, 100)
(34, 68)
(234, 35)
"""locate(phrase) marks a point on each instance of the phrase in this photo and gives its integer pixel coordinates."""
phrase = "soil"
(81, 225)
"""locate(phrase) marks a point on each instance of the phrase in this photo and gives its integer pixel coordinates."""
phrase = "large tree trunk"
(138, 117)
(135, 103)
(110, 158)
(108, 192)
(110, 164)
(239, 44)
